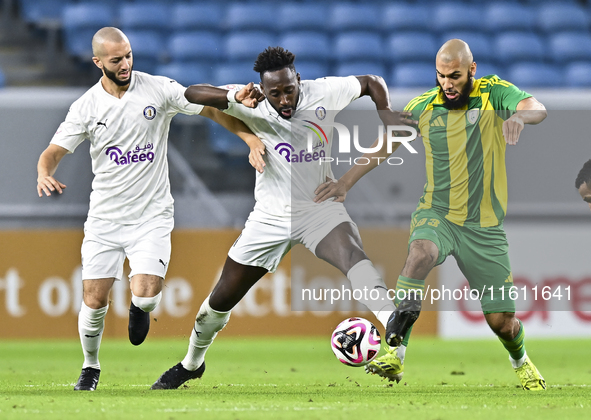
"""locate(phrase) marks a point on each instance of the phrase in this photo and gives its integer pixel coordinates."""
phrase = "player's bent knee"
(146, 304)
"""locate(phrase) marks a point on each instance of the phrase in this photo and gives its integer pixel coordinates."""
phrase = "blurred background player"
(464, 201)
(284, 213)
(583, 183)
(126, 117)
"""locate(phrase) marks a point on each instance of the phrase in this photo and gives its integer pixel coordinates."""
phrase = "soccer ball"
(355, 342)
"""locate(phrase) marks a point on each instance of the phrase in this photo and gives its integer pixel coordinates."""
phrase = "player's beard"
(113, 77)
(462, 100)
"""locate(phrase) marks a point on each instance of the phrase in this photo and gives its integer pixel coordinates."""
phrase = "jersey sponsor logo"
(473, 115)
(320, 112)
(288, 152)
(437, 122)
(318, 130)
(132, 156)
(149, 112)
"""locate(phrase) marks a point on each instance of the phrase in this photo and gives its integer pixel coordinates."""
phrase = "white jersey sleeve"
(72, 131)
(175, 93)
(341, 91)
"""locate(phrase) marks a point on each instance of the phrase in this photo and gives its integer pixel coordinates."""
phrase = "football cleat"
(530, 377)
(401, 320)
(388, 366)
(88, 379)
(176, 376)
(139, 325)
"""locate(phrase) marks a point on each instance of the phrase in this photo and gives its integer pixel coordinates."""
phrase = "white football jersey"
(286, 187)
(128, 145)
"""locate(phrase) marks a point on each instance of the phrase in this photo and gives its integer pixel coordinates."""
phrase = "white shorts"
(264, 241)
(106, 244)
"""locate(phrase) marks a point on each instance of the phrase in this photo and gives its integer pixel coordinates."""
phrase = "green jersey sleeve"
(505, 96)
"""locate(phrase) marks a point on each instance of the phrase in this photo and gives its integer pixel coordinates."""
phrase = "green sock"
(406, 283)
(516, 347)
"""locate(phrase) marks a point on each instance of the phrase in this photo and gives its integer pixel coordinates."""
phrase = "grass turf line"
(292, 378)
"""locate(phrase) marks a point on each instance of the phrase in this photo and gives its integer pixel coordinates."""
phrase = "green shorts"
(482, 254)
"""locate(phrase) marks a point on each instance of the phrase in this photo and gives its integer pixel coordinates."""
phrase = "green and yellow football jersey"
(465, 152)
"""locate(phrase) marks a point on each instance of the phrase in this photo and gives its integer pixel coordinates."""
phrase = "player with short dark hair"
(285, 213)
(583, 182)
(465, 124)
(126, 117)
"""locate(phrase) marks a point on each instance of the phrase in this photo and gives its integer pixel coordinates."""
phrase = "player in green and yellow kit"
(465, 124)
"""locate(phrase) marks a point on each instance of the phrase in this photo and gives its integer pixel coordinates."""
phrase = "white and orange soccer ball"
(355, 342)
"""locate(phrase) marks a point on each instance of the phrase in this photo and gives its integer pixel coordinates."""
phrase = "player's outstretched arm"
(338, 189)
(375, 87)
(46, 167)
(529, 111)
(219, 98)
(234, 125)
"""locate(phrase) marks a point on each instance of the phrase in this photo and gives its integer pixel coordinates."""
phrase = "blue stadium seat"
(454, 16)
(43, 11)
(518, 46)
(195, 46)
(145, 16)
(186, 73)
(354, 17)
(223, 142)
(358, 46)
(411, 46)
(570, 46)
(80, 23)
(504, 16)
(578, 74)
(237, 72)
(196, 16)
(306, 16)
(413, 75)
(405, 17)
(360, 68)
(2, 79)
(310, 70)
(251, 16)
(486, 69)
(562, 17)
(307, 45)
(526, 75)
(148, 49)
(480, 44)
(247, 45)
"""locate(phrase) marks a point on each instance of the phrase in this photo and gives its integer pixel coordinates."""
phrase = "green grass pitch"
(293, 378)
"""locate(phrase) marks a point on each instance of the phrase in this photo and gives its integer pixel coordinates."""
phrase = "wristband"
(232, 97)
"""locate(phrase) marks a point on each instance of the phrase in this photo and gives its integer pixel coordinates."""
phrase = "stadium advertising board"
(41, 288)
(551, 288)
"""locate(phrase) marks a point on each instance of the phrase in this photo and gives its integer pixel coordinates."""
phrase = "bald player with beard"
(465, 124)
(126, 117)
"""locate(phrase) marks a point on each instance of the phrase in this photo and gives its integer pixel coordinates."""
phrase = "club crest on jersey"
(473, 115)
(149, 112)
(320, 113)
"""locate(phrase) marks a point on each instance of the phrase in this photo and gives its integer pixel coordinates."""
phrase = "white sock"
(518, 363)
(146, 304)
(365, 277)
(207, 324)
(91, 323)
(401, 352)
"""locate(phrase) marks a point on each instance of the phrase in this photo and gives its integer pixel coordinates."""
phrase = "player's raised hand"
(330, 189)
(250, 95)
(512, 128)
(255, 157)
(48, 184)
